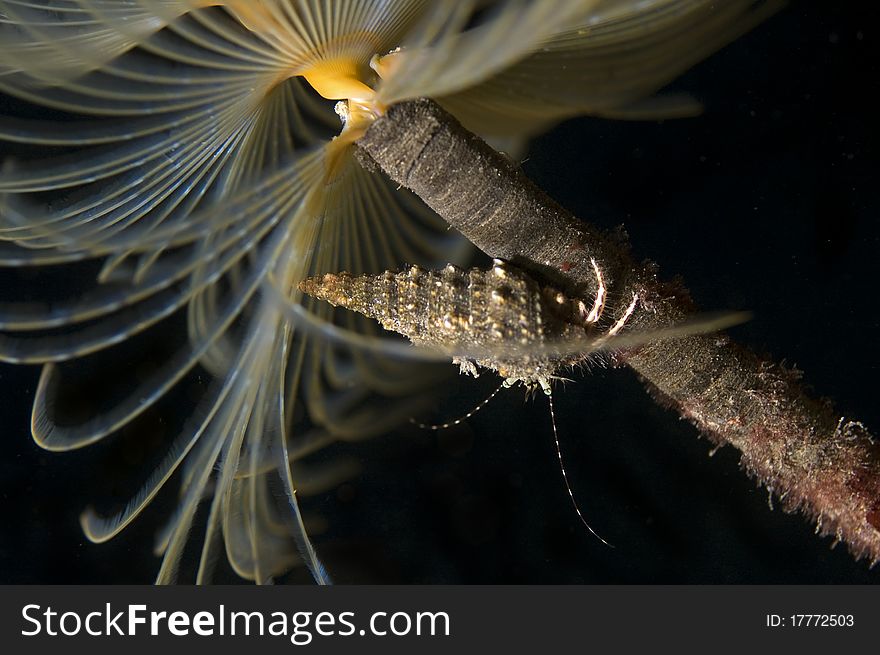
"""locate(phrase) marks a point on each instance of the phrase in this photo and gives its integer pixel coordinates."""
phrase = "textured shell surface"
(169, 165)
(499, 318)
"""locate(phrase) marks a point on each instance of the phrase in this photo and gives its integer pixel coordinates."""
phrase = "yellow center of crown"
(333, 73)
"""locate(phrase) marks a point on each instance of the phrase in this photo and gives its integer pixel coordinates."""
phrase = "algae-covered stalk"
(173, 160)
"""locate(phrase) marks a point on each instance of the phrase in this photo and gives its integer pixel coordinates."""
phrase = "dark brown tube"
(810, 458)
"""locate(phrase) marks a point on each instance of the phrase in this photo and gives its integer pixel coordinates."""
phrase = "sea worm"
(201, 172)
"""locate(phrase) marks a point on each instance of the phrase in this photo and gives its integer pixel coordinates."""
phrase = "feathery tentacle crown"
(194, 162)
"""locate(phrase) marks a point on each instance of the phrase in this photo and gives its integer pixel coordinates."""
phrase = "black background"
(767, 202)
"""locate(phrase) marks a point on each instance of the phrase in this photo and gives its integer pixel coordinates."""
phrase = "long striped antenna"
(461, 419)
(565, 475)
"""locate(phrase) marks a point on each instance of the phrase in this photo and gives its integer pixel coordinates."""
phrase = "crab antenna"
(444, 426)
(565, 475)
